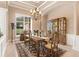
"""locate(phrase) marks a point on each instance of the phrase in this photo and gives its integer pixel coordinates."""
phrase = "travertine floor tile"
(11, 51)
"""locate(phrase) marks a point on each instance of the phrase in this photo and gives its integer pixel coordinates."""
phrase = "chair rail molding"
(73, 40)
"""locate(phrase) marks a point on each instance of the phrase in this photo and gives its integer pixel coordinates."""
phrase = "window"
(19, 25)
(22, 23)
(49, 25)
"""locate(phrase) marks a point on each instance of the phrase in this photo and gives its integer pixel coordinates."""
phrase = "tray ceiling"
(34, 3)
(28, 5)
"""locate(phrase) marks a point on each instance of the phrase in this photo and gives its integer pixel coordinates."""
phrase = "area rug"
(23, 51)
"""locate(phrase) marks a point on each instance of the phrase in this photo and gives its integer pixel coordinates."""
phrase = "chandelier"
(36, 13)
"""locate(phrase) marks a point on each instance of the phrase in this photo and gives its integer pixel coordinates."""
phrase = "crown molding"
(44, 7)
(49, 5)
(21, 4)
(27, 4)
(15, 6)
(55, 5)
(42, 4)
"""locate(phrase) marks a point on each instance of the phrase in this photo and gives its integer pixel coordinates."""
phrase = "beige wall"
(11, 14)
(3, 26)
(71, 12)
(65, 10)
(3, 4)
(44, 23)
(35, 24)
(77, 18)
(40, 22)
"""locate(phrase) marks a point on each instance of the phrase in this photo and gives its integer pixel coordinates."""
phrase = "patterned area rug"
(23, 51)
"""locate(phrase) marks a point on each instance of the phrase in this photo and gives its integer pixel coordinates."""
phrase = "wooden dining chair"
(42, 49)
(22, 37)
(55, 42)
(32, 46)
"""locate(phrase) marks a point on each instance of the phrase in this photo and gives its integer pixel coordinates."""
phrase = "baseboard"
(4, 50)
(7, 43)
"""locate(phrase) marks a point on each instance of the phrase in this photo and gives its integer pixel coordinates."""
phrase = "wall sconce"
(1, 34)
(12, 26)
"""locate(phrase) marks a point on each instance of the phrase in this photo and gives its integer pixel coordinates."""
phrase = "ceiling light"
(36, 13)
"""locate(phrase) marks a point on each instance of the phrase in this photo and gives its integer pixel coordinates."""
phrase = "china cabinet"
(59, 26)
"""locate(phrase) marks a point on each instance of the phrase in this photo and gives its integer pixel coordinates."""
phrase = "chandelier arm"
(36, 13)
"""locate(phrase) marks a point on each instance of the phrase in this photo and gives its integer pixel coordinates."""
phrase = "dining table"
(37, 39)
(48, 46)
